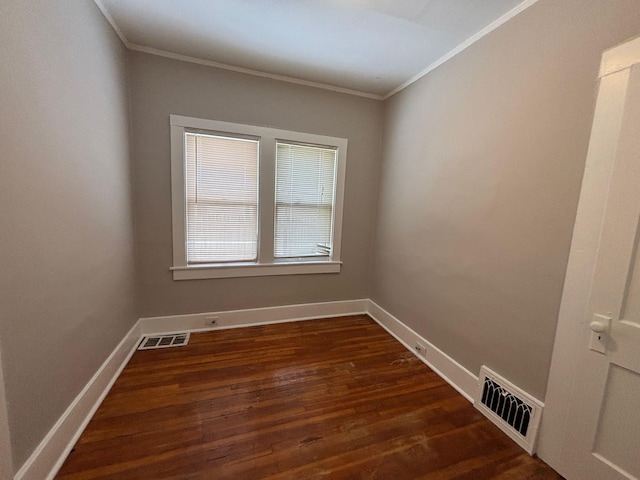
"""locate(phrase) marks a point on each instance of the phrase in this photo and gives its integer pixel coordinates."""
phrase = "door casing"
(572, 334)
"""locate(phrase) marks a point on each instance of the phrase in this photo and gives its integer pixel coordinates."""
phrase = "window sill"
(195, 272)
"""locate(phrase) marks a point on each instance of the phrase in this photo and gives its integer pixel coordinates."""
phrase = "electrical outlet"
(211, 321)
(419, 348)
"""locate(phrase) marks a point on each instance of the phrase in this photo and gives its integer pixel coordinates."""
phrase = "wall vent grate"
(152, 342)
(507, 406)
(513, 410)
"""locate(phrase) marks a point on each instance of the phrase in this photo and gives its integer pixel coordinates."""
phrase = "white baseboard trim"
(465, 382)
(52, 451)
(250, 317)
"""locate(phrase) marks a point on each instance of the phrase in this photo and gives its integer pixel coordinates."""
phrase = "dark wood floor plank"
(336, 398)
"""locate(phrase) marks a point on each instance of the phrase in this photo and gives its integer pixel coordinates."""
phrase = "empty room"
(319, 239)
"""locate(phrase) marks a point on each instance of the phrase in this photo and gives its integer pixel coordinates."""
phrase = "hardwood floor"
(323, 399)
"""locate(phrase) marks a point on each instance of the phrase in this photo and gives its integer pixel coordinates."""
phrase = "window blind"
(305, 185)
(222, 198)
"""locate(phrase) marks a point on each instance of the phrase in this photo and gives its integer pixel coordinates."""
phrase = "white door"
(591, 428)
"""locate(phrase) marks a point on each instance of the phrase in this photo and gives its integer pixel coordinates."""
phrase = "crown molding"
(284, 78)
(464, 45)
(112, 22)
(248, 71)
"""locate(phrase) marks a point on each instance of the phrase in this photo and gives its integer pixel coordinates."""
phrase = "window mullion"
(266, 199)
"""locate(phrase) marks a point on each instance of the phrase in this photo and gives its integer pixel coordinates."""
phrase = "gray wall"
(66, 240)
(482, 165)
(479, 184)
(160, 87)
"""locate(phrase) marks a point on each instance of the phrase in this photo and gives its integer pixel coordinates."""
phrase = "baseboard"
(250, 317)
(465, 382)
(51, 453)
(455, 374)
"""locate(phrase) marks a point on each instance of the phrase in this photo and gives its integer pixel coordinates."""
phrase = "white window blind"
(222, 198)
(305, 192)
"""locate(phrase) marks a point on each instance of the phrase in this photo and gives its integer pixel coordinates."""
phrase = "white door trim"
(6, 464)
(621, 57)
(555, 435)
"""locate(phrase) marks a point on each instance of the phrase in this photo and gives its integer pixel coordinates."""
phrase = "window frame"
(265, 264)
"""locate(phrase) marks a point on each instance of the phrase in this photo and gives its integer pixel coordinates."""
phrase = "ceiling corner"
(112, 22)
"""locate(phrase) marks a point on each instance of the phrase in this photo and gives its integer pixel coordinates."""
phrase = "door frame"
(6, 465)
(573, 331)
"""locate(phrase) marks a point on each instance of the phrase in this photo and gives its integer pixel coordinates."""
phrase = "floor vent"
(515, 412)
(163, 341)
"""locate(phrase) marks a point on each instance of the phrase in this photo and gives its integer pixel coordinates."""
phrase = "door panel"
(614, 290)
(615, 282)
(617, 442)
(600, 406)
(631, 309)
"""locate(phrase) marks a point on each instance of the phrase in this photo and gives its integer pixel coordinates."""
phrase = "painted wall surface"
(66, 241)
(482, 165)
(160, 87)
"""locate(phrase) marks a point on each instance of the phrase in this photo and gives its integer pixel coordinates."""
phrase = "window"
(251, 200)
(222, 198)
(305, 181)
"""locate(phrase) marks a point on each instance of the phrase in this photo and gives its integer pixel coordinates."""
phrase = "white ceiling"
(369, 46)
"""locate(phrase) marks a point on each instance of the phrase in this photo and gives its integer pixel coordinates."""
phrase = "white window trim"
(266, 265)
